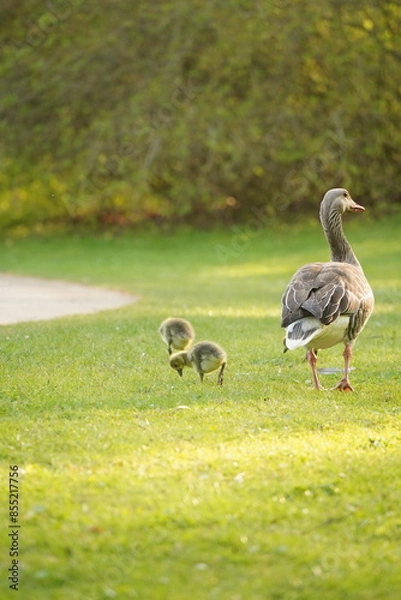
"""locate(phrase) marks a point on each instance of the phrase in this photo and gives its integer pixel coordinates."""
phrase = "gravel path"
(29, 299)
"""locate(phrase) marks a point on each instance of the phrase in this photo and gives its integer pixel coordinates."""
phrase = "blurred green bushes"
(121, 112)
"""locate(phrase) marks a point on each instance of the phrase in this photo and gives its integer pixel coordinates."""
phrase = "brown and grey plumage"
(328, 303)
(178, 334)
(205, 357)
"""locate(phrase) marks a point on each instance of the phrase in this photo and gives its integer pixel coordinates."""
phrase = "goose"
(327, 303)
(178, 334)
(204, 356)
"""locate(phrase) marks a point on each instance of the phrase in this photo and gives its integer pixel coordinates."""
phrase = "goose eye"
(345, 194)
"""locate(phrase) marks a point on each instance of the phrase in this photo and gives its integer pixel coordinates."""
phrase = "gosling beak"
(179, 371)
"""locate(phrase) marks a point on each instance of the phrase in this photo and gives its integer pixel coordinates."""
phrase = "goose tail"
(301, 332)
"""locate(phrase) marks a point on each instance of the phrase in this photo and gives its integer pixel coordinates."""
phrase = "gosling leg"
(220, 377)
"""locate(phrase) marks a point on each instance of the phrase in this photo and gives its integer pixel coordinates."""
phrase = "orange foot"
(344, 386)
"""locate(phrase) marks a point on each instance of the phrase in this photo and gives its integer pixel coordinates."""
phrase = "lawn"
(137, 484)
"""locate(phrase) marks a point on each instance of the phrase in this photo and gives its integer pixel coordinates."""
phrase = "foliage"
(138, 484)
(124, 112)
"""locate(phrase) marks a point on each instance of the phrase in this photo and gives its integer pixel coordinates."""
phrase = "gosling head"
(178, 361)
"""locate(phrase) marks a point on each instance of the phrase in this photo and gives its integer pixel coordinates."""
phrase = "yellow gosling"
(178, 334)
(205, 357)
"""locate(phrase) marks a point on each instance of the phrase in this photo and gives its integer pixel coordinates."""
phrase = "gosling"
(178, 334)
(204, 356)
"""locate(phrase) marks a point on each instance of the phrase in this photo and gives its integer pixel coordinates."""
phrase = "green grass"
(138, 484)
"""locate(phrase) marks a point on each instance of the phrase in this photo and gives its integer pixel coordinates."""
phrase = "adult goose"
(327, 303)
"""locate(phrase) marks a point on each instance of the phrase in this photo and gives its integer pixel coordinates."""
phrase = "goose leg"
(220, 377)
(344, 385)
(312, 360)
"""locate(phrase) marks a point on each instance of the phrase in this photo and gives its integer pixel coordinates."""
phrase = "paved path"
(30, 299)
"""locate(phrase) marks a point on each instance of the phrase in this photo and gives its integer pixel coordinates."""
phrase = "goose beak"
(356, 207)
(179, 371)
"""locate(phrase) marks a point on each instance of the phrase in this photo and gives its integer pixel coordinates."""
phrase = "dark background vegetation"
(123, 112)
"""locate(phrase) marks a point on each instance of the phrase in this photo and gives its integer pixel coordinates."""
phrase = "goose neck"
(341, 250)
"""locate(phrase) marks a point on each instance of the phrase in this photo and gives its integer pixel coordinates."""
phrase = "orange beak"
(356, 207)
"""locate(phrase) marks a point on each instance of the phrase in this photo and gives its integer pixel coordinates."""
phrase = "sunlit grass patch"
(136, 483)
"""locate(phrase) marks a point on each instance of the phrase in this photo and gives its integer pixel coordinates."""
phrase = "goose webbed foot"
(344, 385)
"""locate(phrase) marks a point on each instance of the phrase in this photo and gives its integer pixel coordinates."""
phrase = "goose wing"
(325, 291)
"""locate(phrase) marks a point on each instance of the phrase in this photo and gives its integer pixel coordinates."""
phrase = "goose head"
(338, 201)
